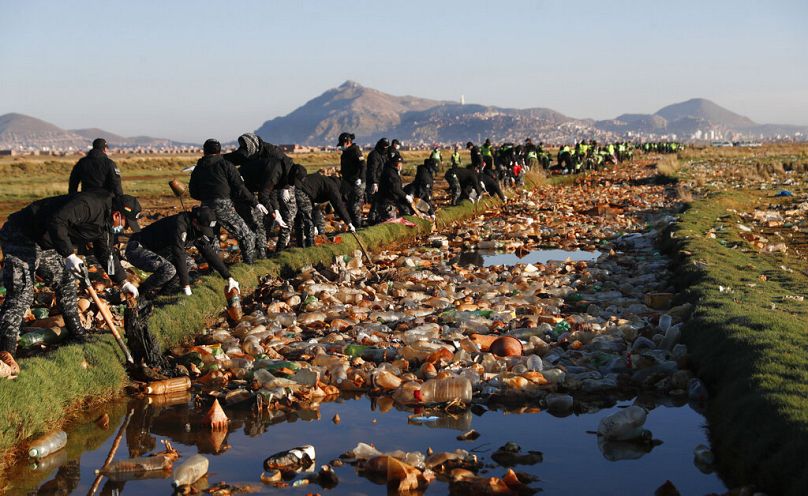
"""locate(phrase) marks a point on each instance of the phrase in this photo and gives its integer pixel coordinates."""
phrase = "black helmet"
(382, 144)
(487, 142)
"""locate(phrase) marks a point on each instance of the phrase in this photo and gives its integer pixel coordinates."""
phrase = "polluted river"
(532, 348)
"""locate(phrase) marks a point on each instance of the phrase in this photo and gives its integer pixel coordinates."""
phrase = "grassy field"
(749, 344)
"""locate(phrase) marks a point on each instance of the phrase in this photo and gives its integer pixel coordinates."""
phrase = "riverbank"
(748, 341)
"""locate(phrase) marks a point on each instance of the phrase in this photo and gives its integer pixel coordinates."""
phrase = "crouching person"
(160, 249)
(40, 240)
(316, 189)
(391, 200)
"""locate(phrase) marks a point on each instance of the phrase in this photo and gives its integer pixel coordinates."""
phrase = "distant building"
(297, 148)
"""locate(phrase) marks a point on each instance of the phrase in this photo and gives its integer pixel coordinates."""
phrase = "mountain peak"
(349, 84)
(703, 109)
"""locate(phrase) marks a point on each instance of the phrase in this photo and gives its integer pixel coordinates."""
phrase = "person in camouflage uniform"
(353, 171)
(217, 184)
(286, 199)
(40, 240)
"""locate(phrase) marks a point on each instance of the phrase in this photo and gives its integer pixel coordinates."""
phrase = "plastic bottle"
(445, 390)
(190, 471)
(665, 322)
(233, 304)
(559, 402)
(408, 393)
(291, 460)
(252, 346)
(624, 425)
(385, 380)
(169, 385)
(39, 335)
(534, 363)
(47, 444)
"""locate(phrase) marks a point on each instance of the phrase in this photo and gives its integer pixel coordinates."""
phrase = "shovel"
(102, 307)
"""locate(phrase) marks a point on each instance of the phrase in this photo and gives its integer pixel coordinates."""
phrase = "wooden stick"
(111, 454)
(108, 319)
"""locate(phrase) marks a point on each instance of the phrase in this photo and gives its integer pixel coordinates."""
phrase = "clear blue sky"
(193, 69)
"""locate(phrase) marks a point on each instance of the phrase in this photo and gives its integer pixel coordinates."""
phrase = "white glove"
(285, 194)
(374, 188)
(187, 290)
(351, 228)
(232, 283)
(277, 216)
(262, 209)
(409, 198)
(316, 231)
(130, 288)
(75, 265)
(359, 182)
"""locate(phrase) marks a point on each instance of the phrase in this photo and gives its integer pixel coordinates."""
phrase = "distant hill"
(364, 111)
(19, 131)
(23, 131)
(371, 114)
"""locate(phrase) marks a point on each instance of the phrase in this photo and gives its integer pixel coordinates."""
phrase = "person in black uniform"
(462, 183)
(319, 189)
(353, 172)
(217, 184)
(268, 172)
(392, 200)
(491, 184)
(476, 157)
(40, 239)
(96, 171)
(376, 159)
(394, 150)
(160, 249)
(421, 186)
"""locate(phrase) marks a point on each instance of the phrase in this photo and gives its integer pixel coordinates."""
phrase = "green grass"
(749, 345)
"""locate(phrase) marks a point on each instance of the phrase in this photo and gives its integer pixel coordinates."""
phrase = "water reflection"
(551, 448)
(484, 258)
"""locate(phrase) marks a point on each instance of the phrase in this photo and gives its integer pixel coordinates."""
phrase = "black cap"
(382, 143)
(469, 144)
(206, 218)
(343, 137)
(99, 144)
(212, 147)
(396, 142)
(130, 208)
(398, 159)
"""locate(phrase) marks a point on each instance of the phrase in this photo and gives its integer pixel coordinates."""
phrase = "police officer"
(270, 173)
(462, 182)
(455, 159)
(531, 154)
(487, 151)
(476, 156)
(376, 159)
(435, 155)
(96, 171)
(422, 184)
(392, 200)
(394, 150)
(491, 184)
(40, 239)
(353, 172)
(318, 189)
(217, 184)
(160, 249)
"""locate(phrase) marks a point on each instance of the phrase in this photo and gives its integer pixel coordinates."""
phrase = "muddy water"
(573, 461)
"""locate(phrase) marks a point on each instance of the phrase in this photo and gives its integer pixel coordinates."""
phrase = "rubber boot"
(9, 344)
(78, 333)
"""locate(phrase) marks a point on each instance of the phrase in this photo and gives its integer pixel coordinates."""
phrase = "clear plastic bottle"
(446, 390)
(47, 444)
(252, 346)
(408, 393)
(190, 471)
(623, 425)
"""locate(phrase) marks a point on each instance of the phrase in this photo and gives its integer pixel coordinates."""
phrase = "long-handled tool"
(178, 189)
(102, 307)
(364, 251)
